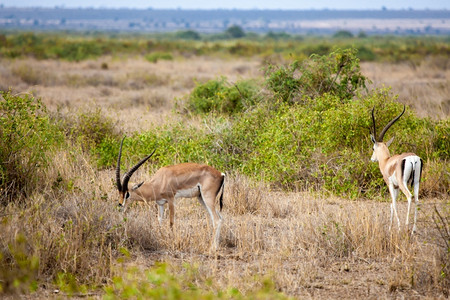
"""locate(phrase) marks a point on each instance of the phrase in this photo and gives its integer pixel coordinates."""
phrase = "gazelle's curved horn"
(128, 174)
(119, 185)
(380, 139)
(374, 132)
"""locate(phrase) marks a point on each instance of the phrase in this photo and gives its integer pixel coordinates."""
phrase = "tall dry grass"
(309, 245)
(140, 90)
(424, 87)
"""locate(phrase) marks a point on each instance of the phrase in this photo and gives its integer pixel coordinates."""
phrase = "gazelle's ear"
(390, 141)
(373, 139)
(136, 186)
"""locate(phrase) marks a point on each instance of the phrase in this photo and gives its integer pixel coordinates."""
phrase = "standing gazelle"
(187, 180)
(397, 170)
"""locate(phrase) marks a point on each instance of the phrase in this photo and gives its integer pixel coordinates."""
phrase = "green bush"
(220, 96)
(321, 142)
(155, 56)
(26, 137)
(441, 139)
(188, 35)
(18, 270)
(277, 35)
(174, 144)
(235, 32)
(366, 54)
(160, 282)
(322, 145)
(336, 74)
(343, 34)
(88, 129)
(325, 144)
(79, 50)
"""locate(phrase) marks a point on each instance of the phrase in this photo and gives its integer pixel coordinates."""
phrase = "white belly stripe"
(188, 193)
(161, 201)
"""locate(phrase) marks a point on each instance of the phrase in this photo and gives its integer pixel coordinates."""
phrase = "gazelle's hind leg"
(408, 195)
(208, 201)
(416, 179)
(200, 199)
(408, 169)
(416, 200)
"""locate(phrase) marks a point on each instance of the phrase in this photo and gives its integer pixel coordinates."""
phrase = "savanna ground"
(303, 244)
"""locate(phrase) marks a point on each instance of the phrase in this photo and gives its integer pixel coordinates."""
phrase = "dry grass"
(146, 91)
(311, 246)
(318, 247)
(426, 88)
(140, 90)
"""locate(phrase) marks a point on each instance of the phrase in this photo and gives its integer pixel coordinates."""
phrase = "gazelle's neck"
(383, 155)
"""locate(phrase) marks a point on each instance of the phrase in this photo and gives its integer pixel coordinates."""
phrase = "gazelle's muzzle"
(374, 158)
(120, 206)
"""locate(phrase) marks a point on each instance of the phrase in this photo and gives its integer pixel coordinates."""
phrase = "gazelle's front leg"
(160, 204)
(171, 212)
(160, 213)
(394, 193)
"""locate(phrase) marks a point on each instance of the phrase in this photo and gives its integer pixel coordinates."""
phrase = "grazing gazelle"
(397, 170)
(186, 180)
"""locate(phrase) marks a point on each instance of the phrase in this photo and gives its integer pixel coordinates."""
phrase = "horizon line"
(224, 9)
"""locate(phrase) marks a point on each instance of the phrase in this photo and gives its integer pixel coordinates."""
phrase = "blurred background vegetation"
(233, 42)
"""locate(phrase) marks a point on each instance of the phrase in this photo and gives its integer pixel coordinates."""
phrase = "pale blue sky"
(238, 4)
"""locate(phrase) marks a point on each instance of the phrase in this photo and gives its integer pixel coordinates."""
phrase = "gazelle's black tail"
(222, 186)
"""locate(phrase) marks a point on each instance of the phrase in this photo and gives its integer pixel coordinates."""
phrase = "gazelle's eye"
(127, 195)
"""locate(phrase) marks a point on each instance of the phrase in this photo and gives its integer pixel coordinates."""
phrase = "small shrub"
(78, 50)
(26, 137)
(362, 35)
(441, 139)
(337, 74)
(235, 32)
(155, 56)
(277, 35)
(88, 129)
(366, 54)
(18, 269)
(161, 282)
(343, 34)
(221, 96)
(188, 35)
